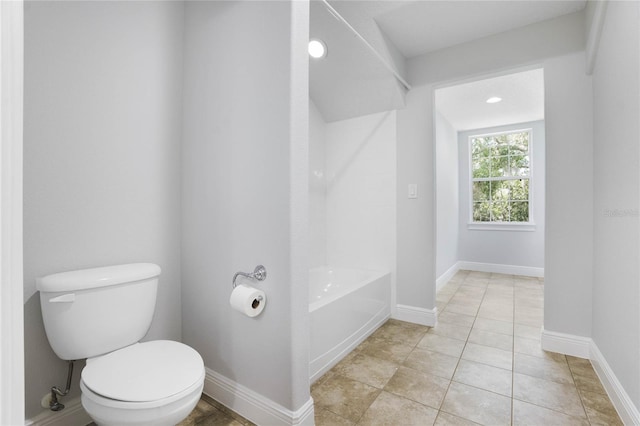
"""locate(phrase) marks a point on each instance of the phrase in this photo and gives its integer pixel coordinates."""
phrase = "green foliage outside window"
(500, 177)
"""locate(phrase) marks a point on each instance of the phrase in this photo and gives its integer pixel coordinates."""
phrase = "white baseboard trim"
(585, 347)
(449, 273)
(422, 316)
(567, 344)
(252, 405)
(72, 415)
(527, 271)
(240, 399)
(627, 411)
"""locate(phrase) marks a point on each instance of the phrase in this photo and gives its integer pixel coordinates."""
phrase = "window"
(500, 177)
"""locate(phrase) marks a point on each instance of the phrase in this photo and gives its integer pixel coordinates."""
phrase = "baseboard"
(627, 411)
(240, 399)
(527, 271)
(252, 405)
(449, 273)
(422, 316)
(585, 347)
(567, 344)
(72, 415)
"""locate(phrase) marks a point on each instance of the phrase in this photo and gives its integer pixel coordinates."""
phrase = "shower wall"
(352, 185)
(317, 189)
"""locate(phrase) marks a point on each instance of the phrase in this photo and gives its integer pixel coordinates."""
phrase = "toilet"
(101, 314)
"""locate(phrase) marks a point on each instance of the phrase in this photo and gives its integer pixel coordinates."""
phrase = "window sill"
(519, 226)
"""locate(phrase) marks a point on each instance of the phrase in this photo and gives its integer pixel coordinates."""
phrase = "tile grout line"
(475, 317)
(382, 388)
(459, 358)
(579, 393)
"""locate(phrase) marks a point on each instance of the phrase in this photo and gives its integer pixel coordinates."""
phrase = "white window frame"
(501, 226)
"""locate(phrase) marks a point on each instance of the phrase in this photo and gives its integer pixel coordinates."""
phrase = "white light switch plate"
(413, 190)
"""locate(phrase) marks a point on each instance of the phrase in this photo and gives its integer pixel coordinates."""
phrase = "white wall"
(616, 290)
(569, 196)
(352, 191)
(360, 175)
(245, 191)
(513, 248)
(500, 52)
(447, 197)
(101, 156)
(557, 46)
(415, 221)
(317, 189)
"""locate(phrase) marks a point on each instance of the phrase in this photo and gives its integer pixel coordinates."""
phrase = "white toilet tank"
(91, 312)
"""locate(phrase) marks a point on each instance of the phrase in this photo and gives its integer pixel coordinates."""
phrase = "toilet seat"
(164, 412)
(144, 374)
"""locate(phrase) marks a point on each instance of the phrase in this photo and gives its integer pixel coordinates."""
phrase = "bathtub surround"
(351, 228)
(353, 179)
(345, 307)
(360, 180)
(317, 189)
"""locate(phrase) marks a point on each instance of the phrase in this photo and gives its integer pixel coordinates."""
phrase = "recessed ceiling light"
(317, 49)
(493, 100)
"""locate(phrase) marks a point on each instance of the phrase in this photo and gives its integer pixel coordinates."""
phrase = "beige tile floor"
(482, 364)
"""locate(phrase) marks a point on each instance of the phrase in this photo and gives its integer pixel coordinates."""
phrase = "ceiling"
(465, 106)
(420, 27)
(351, 81)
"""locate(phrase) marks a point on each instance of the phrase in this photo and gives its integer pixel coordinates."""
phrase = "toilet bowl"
(151, 383)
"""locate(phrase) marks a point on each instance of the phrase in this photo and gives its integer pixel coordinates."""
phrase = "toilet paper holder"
(259, 273)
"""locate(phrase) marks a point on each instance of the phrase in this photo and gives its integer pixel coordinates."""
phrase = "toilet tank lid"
(85, 279)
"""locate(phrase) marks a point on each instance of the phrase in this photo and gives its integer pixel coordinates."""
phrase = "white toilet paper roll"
(248, 300)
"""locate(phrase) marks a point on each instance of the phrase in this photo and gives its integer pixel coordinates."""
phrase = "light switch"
(413, 190)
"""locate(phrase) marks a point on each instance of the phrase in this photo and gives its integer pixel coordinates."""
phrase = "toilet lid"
(144, 371)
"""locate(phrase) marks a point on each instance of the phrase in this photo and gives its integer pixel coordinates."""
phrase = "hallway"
(482, 364)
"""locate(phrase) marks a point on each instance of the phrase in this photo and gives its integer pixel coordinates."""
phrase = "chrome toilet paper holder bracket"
(259, 273)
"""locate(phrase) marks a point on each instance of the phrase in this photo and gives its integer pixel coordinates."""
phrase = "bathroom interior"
(200, 136)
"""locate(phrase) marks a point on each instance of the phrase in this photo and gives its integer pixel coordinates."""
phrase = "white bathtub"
(345, 306)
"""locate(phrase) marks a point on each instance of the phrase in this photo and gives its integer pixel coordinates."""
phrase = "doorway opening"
(490, 176)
